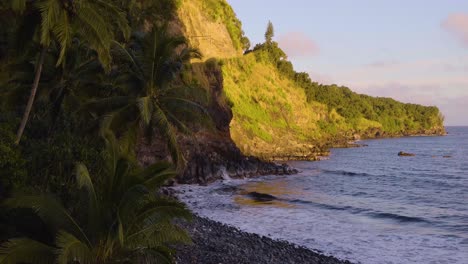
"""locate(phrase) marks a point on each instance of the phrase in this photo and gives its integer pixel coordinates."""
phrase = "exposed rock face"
(211, 154)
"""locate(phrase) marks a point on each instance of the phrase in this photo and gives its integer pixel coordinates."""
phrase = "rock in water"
(261, 197)
(405, 154)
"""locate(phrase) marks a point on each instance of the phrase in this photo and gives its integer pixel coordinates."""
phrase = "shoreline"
(215, 242)
(323, 150)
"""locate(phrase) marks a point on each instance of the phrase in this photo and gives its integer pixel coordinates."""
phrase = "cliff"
(259, 109)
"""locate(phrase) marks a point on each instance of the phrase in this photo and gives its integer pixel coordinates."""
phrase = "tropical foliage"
(53, 21)
(278, 111)
(121, 218)
(148, 68)
(395, 117)
(87, 67)
(89, 81)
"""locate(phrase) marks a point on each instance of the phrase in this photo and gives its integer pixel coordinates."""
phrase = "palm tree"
(150, 67)
(122, 220)
(62, 20)
(78, 79)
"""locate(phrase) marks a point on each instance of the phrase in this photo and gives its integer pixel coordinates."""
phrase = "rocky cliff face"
(268, 115)
(210, 153)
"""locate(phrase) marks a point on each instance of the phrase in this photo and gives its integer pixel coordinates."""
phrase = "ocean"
(367, 205)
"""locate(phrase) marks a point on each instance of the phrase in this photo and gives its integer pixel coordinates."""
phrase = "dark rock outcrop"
(405, 154)
(210, 153)
(261, 197)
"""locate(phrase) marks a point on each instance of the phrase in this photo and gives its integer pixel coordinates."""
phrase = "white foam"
(358, 239)
(224, 174)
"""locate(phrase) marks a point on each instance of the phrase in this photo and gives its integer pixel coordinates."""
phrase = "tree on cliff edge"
(270, 33)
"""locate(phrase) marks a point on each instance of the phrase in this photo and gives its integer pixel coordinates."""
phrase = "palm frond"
(190, 53)
(50, 14)
(118, 17)
(158, 233)
(123, 54)
(146, 109)
(25, 250)
(164, 208)
(155, 169)
(18, 5)
(186, 102)
(92, 27)
(71, 249)
(50, 210)
(131, 201)
(159, 179)
(62, 30)
(160, 120)
(111, 156)
(158, 255)
(83, 179)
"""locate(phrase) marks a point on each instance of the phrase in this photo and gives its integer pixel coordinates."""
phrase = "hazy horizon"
(414, 52)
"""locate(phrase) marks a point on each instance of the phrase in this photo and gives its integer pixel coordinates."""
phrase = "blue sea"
(366, 205)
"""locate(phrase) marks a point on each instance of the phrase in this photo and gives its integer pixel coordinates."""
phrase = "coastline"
(215, 242)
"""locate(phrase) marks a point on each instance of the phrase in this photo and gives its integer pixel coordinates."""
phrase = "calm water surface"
(366, 205)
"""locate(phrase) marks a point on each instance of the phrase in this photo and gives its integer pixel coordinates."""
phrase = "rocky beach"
(216, 243)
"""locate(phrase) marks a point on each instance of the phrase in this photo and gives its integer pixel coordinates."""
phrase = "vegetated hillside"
(211, 26)
(280, 113)
(272, 117)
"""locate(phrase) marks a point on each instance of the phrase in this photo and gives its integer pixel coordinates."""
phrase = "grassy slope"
(205, 25)
(271, 114)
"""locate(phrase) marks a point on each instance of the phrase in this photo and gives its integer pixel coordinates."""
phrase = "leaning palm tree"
(92, 21)
(152, 99)
(122, 218)
(63, 88)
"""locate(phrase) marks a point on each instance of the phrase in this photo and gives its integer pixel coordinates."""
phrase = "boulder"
(261, 197)
(405, 154)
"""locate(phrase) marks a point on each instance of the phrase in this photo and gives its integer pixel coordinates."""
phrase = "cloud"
(457, 25)
(297, 44)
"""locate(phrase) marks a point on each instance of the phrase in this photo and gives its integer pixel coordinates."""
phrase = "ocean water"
(366, 205)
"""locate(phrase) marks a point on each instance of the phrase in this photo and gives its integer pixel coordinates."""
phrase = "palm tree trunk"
(32, 96)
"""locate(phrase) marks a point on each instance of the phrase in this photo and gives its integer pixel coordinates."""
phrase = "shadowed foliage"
(59, 21)
(121, 217)
(153, 99)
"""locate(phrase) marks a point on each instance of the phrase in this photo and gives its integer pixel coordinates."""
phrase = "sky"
(415, 51)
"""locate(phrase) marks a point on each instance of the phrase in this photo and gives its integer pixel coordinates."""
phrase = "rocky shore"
(216, 243)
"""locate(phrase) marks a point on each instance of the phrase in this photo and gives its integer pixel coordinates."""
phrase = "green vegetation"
(89, 82)
(100, 77)
(279, 110)
(221, 11)
(149, 67)
(121, 219)
(270, 33)
(50, 21)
